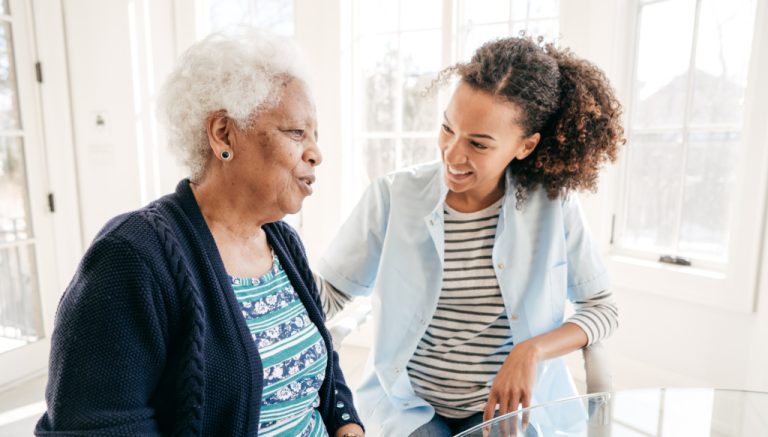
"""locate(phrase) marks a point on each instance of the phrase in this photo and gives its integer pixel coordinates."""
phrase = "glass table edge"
(592, 395)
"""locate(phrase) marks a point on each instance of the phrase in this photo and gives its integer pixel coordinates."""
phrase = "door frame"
(39, 36)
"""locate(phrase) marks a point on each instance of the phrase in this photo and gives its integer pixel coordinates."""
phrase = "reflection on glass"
(378, 158)
(688, 415)
(15, 223)
(722, 60)
(378, 67)
(652, 191)
(639, 412)
(478, 35)
(675, 412)
(710, 178)
(421, 14)
(420, 66)
(486, 11)
(663, 63)
(378, 16)
(21, 319)
(419, 150)
(4, 7)
(9, 101)
(271, 14)
(226, 12)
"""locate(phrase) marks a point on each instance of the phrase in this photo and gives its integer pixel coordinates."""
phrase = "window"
(399, 48)
(272, 14)
(692, 175)
(685, 127)
(21, 316)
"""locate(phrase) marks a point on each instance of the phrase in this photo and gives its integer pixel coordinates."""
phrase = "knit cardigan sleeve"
(108, 347)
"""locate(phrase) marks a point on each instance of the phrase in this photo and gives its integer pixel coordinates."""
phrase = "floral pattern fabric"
(292, 351)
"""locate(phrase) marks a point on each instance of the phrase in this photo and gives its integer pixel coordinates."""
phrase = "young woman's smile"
(478, 139)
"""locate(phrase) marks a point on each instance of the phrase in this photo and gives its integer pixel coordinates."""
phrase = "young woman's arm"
(596, 318)
(333, 300)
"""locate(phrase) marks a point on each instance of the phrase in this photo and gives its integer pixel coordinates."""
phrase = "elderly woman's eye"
(297, 133)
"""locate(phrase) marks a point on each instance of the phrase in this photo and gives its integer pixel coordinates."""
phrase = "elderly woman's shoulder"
(141, 230)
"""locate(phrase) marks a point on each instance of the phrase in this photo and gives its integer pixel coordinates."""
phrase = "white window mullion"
(685, 131)
(399, 93)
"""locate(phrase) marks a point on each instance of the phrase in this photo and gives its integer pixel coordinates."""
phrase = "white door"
(27, 261)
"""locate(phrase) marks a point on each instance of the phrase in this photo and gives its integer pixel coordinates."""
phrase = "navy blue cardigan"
(149, 339)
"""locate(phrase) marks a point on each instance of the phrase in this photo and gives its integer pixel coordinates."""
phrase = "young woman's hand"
(352, 427)
(514, 384)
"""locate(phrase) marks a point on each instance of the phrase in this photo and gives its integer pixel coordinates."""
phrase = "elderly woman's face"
(273, 163)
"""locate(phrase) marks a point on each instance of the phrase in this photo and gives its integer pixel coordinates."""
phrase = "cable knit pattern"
(149, 339)
(192, 382)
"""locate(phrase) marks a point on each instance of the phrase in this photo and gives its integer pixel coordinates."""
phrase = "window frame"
(453, 31)
(733, 284)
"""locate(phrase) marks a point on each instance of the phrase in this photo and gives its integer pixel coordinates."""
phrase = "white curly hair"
(236, 70)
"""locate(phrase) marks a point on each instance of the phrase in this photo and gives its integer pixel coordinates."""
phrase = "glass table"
(662, 412)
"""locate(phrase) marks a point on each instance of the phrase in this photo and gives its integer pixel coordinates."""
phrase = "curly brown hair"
(568, 100)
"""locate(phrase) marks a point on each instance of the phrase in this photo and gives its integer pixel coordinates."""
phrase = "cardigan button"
(514, 317)
(431, 223)
(339, 404)
(397, 370)
(345, 416)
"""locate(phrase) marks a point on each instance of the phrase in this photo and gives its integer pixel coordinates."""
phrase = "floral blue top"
(292, 352)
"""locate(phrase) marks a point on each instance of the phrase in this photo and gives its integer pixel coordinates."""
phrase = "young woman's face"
(479, 138)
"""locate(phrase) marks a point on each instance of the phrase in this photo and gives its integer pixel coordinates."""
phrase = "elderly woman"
(198, 314)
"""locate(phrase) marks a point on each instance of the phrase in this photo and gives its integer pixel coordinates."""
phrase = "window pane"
(15, 223)
(378, 65)
(421, 14)
(9, 101)
(543, 9)
(520, 9)
(378, 16)
(666, 34)
(419, 150)
(274, 14)
(486, 11)
(21, 319)
(722, 60)
(421, 63)
(549, 29)
(710, 177)
(653, 185)
(226, 12)
(378, 158)
(476, 36)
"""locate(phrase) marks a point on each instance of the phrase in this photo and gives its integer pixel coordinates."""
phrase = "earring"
(225, 155)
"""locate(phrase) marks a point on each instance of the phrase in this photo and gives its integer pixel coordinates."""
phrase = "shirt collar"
(509, 185)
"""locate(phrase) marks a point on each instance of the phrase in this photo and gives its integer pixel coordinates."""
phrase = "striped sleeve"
(333, 300)
(597, 315)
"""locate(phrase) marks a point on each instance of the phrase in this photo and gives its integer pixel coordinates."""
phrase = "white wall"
(103, 80)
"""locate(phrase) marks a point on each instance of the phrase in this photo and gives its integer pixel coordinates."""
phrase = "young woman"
(470, 260)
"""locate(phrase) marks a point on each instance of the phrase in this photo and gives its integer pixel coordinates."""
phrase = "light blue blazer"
(391, 246)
